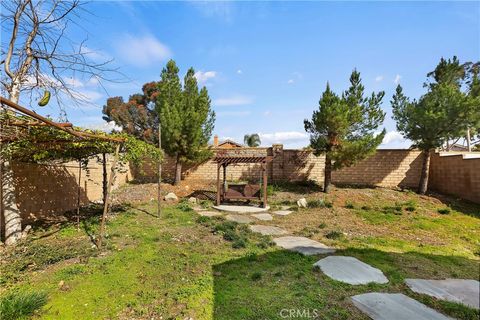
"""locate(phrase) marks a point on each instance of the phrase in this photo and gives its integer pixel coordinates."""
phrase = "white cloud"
(215, 9)
(88, 95)
(239, 71)
(73, 82)
(378, 78)
(237, 100)
(288, 138)
(143, 50)
(104, 126)
(203, 77)
(267, 113)
(394, 140)
(397, 79)
(296, 77)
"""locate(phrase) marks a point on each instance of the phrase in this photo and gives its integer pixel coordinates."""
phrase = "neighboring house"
(226, 144)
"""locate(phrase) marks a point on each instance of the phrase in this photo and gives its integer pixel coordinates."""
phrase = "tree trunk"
(11, 214)
(328, 174)
(104, 177)
(423, 186)
(178, 172)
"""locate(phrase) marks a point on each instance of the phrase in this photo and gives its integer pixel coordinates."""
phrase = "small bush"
(366, 208)
(239, 243)
(265, 242)
(319, 203)
(256, 276)
(322, 225)
(349, 205)
(443, 211)
(410, 205)
(315, 203)
(21, 304)
(184, 206)
(334, 235)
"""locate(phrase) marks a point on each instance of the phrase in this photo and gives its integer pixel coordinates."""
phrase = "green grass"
(182, 266)
(21, 304)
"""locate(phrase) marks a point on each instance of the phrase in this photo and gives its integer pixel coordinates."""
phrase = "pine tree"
(252, 140)
(344, 127)
(187, 120)
(443, 113)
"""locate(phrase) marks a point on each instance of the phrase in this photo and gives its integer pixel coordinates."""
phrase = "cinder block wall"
(42, 190)
(456, 174)
(386, 168)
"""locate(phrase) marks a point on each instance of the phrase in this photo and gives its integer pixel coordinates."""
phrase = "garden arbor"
(241, 191)
(27, 136)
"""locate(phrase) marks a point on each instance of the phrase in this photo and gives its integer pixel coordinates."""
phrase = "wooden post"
(104, 177)
(264, 166)
(109, 187)
(78, 192)
(224, 183)
(159, 191)
(218, 184)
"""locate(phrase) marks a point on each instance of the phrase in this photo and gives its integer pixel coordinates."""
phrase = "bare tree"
(37, 54)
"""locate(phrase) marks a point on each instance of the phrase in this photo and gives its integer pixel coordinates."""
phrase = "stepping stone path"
(282, 212)
(205, 213)
(238, 218)
(455, 290)
(303, 245)
(394, 306)
(350, 270)
(268, 230)
(263, 216)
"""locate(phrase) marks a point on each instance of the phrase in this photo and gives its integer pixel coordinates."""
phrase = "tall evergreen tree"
(443, 113)
(186, 118)
(344, 128)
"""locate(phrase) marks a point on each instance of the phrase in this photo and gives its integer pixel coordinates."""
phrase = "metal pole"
(159, 187)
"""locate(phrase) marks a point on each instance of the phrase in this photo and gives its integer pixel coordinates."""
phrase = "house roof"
(228, 141)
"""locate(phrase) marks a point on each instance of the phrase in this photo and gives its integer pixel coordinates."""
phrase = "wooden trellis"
(15, 124)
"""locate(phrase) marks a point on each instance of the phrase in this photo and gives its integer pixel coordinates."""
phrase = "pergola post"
(218, 184)
(264, 171)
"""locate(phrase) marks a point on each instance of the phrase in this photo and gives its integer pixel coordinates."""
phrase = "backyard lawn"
(183, 266)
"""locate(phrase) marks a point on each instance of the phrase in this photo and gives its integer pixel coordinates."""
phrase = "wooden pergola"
(241, 191)
(16, 126)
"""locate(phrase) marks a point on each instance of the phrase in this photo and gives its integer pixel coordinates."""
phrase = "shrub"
(184, 206)
(322, 225)
(366, 208)
(265, 242)
(21, 304)
(444, 211)
(349, 205)
(410, 205)
(239, 243)
(322, 203)
(334, 235)
(256, 276)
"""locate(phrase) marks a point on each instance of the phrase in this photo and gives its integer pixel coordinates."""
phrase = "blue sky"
(266, 64)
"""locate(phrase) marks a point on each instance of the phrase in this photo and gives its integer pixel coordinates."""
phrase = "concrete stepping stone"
(462, 291)
(263, 216)
(282, 212)
(284, 207)
(238, 218)
(198, 209)
(303, 245)
(394, 306)
(350, 270)
(241, 209)
(268, 230)
(209, 213)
